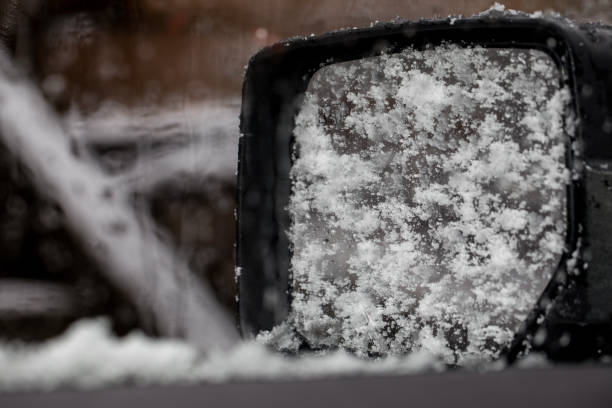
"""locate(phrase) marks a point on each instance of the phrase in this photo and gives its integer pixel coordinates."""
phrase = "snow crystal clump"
(428, 200)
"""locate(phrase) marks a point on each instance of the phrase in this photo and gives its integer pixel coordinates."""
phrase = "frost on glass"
(428, 200)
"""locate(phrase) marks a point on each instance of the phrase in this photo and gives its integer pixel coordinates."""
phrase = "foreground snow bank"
(89, 356)
(427, 202)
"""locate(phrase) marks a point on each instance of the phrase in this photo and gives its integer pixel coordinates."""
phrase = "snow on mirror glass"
(428, 200)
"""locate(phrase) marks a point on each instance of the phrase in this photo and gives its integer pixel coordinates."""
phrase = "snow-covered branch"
(165, 293)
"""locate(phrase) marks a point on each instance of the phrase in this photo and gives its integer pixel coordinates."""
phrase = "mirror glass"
(428, 201)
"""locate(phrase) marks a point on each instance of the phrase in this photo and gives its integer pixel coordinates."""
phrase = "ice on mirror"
(428, 200)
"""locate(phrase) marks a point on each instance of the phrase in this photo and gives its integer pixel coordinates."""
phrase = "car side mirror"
(440, 182)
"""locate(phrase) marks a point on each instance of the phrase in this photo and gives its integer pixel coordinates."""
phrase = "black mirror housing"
(576, 307)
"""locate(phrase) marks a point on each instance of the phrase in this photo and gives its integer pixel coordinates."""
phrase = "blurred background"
(150, 89)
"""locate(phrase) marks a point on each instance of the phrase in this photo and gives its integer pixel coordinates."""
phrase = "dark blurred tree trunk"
(9, 14)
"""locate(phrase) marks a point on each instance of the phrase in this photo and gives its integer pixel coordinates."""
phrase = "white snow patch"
(89, 356)
(495, 7)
